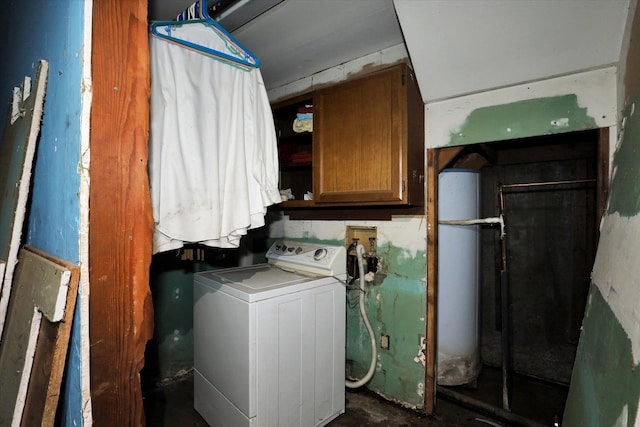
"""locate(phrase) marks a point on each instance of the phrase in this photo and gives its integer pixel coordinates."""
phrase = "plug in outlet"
(384, 341)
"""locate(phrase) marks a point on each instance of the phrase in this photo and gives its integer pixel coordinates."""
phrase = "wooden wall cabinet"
(369, 141)
(367, 144)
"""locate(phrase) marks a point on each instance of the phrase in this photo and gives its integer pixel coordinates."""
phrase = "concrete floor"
(533, 401)
(172, 405)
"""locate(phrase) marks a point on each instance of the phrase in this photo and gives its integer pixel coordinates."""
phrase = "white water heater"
(458, 277)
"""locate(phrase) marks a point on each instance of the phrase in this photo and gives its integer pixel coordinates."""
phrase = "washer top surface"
(292, 267)
(259, 282)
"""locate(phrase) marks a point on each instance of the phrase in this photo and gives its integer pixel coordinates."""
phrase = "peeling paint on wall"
(563, 104)
(616, 270)
(624, 196)
(54, 223)
(605, 385)
(395, 302)
(396, 307)
(521, 119)
(407, 232)
(340, 73)
(616, 273)
(402, 261)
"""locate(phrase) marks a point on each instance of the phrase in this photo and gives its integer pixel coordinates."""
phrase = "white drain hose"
(363, 313)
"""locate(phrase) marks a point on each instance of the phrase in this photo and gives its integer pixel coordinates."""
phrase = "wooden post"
(432, 281)
(603, 173)
(120, 221)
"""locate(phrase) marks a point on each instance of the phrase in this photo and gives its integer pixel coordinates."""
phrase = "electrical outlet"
(384, 341)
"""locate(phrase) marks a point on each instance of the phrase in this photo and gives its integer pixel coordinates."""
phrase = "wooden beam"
(446, 155)
(603, 173)
(471, 161)
(489, 153)
(120, 221)
(546, 153)
(432, 280)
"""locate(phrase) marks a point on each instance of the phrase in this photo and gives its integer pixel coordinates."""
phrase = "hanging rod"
(546, 183)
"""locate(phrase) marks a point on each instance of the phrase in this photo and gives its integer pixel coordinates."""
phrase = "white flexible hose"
(363, 313)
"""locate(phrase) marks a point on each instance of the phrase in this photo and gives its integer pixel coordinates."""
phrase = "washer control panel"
(308, 257)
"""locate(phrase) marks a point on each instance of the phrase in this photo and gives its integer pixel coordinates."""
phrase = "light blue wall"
(51, 30)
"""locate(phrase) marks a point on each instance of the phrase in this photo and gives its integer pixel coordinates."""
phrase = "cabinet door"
(360, 141)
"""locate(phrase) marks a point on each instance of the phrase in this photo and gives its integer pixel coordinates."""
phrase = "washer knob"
(319, 254)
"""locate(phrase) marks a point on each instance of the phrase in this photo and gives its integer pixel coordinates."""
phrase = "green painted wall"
(170, 351)
(624, 195)
(396, 306)
(605, 385)
(521, 119)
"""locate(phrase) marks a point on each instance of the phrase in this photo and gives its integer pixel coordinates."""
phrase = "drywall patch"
(396, 306)
(560, 123)
(616, 273)
(339, 73)
(403, 303)
(321, 231)
(605, 385)
(395, 302)
(594, 90)
(521, 119)
(624, 195)
(421, 357)
(406, 232)
(401, 262)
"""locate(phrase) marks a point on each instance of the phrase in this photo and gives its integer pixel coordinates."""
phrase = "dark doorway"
(551, 190)
(549, 199)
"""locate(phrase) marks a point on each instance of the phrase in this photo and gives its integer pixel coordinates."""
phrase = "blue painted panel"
(51, 30)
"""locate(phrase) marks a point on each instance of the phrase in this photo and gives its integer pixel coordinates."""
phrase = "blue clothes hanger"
(238, 55)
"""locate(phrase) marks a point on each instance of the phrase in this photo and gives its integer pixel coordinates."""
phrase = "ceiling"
(456, 47)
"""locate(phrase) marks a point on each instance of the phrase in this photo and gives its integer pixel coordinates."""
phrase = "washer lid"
(258, 282)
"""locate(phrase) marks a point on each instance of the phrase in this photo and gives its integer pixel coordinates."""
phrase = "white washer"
(269, 339)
